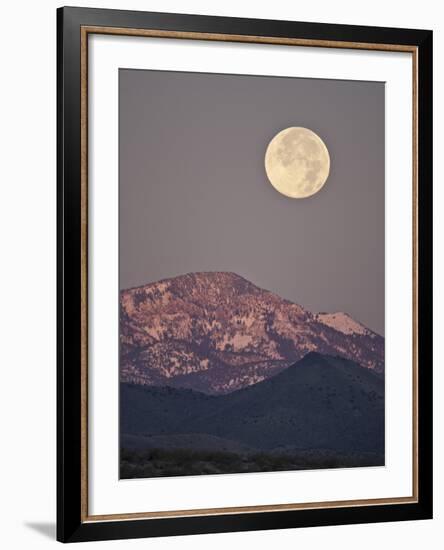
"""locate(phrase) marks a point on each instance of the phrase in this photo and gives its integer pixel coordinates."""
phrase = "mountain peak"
(313, 356)
(200, 279)
(342, 322)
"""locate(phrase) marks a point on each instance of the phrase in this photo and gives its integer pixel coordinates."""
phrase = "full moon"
(297, 162)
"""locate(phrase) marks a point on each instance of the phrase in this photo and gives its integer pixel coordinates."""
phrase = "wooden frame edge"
(85, 31)
(201, 512)
(84, 271)
(252, 39)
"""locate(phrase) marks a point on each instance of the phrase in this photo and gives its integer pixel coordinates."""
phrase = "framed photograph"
(244, 274)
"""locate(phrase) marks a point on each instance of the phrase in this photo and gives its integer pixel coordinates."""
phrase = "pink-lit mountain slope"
(217, 332)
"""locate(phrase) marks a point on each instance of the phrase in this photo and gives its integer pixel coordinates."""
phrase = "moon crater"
(297, 162)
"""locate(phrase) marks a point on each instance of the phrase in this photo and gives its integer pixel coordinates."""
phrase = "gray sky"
(194, 195)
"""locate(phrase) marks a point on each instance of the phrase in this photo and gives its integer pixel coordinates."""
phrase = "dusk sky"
(194, 195)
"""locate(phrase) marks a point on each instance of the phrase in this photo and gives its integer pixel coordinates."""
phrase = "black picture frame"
(72, 526)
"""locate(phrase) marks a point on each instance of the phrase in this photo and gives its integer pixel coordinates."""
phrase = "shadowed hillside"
(320, 409)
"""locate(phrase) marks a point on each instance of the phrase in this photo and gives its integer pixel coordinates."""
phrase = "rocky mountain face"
(217, 332)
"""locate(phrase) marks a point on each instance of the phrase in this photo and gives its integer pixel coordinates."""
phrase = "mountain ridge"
(217, 332)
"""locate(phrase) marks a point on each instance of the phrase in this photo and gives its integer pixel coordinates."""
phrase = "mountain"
(342, 322)
(216, 332)
(320, 403)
